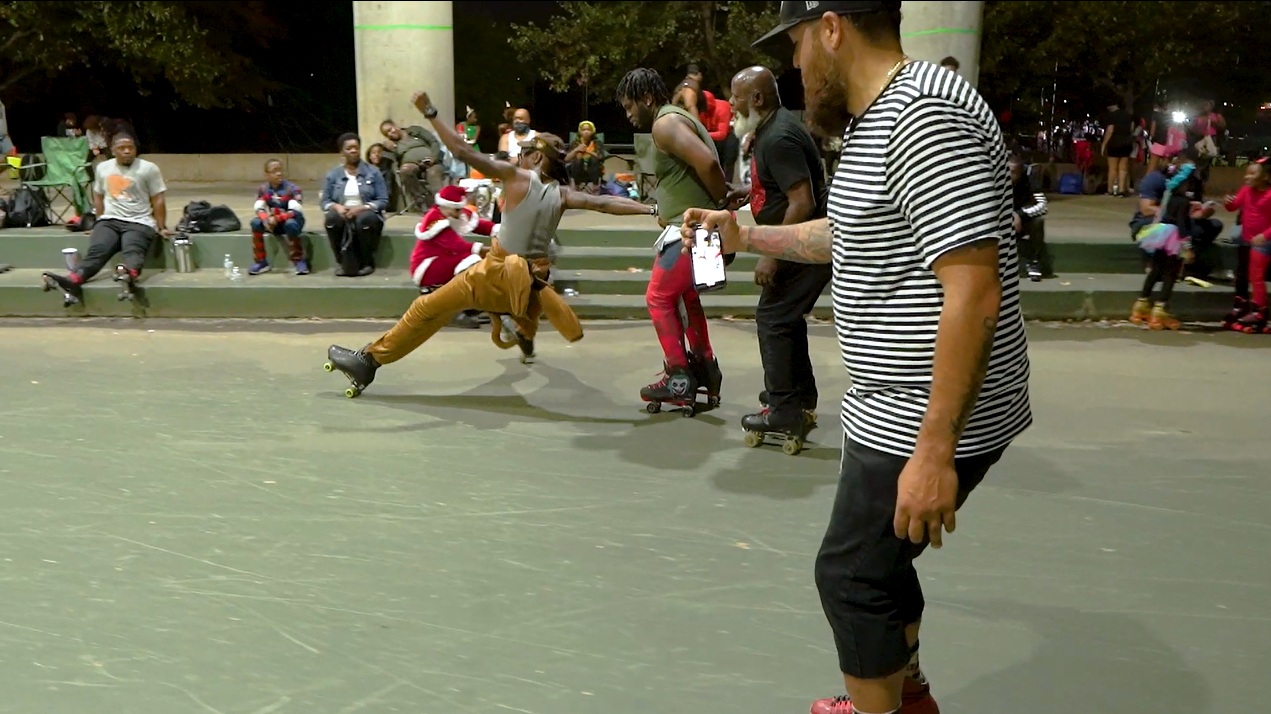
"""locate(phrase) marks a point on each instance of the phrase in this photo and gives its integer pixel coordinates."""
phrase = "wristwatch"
(430, 112)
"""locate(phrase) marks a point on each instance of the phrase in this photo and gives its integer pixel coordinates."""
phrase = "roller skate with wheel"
(1240, 307)
(1141, 312)
(710, 380)
(72, 292)
(127, 281)
(791, 429)
(915, 698)
(1161, 319)
(1253, 322)
(511, 333)
(677, 388)
(357, 366)
(809, 410)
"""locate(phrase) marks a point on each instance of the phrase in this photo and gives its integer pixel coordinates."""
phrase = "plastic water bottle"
(236, 275)
(229, 266)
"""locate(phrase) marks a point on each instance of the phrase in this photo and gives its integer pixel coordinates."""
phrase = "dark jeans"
(367, 227)
(783, 336)
(864, 573)
(421, 184)
(1032, 247)
(584, 172)
(111, 236)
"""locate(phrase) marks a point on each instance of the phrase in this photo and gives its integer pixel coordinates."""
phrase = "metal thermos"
(72, 257)
(181, 257)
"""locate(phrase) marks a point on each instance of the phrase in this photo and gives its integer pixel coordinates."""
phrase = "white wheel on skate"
(792, 446)
(689, 412)
(328, 367)
(754, 439)
(653, 407)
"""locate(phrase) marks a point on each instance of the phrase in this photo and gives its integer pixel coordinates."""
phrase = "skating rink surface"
(196, 520)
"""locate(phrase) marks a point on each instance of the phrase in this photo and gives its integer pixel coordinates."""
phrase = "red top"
(1255, 212)
(716, 116)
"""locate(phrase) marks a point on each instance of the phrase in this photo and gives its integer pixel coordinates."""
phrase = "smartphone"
(708, 261)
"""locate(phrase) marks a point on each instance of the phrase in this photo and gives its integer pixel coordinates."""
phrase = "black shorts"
(1120, 152)
(864, 573)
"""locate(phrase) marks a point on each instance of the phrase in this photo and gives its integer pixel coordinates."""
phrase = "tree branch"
(4, 49)
(16, 77)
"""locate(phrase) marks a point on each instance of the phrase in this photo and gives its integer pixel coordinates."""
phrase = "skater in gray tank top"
(512, 279)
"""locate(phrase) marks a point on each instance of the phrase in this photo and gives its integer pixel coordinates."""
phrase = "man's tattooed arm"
(808, 242)
(964, 343)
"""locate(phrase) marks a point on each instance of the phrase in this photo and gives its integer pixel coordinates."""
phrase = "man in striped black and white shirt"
(926, 307)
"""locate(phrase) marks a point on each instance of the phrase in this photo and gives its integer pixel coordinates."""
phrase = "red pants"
(672, 282)
(1259, 260)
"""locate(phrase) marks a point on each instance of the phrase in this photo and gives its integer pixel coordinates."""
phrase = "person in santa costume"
(441, 252)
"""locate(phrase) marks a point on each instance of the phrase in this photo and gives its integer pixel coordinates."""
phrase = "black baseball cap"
(796, 13)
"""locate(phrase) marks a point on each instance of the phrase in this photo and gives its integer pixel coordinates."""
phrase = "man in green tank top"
(688, 176)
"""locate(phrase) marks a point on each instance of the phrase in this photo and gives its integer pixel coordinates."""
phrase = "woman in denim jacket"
(354, 198)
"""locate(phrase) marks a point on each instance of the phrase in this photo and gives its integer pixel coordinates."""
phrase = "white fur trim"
(465, 223)
(418, 275)
(433, 230)
(449, 204)
(260, 206)
(467, 263)
(476, 248)
(494, 232)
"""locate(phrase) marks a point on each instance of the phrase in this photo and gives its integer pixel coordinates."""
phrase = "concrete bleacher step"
(603, 294)
(584, 249)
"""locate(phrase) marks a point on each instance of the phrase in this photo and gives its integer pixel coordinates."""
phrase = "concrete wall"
(932, 31)
(402, 48)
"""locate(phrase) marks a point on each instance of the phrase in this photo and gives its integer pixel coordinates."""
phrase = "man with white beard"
(787, 187)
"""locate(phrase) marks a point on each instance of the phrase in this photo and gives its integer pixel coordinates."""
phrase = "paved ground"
(197, 521)
(1085, 219)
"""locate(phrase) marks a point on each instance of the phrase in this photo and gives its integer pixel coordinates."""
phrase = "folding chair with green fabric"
(65, 175)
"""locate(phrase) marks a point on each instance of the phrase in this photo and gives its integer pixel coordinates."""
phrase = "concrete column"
(932, 31)
(401, 48)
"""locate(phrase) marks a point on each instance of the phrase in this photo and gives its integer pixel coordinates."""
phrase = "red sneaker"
(915, 698)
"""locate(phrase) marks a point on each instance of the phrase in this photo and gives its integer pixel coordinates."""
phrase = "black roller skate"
(72, 292)
(1034, 271)
(358, 366)
(128, 283)
(471, 319)
(1239, 308)
(792, 431)
(809, 410)
(1253, 322)
(677, 387)
(710, 380)
(510, 333)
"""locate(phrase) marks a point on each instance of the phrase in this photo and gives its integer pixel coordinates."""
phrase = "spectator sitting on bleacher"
(1203, 229)
(418, 154)
(1029, 220)
(278, 211)
(128, 199)
(354, 197)
(96, 139)
(441, 252)
(585, 161)
(521, 132)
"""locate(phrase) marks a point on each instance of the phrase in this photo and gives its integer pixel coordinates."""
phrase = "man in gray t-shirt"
(129, 205)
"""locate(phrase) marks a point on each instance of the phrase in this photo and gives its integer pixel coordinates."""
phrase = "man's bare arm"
(159, 206)
(462, 150)
(615, 205)
(964, 342)
(808, 242)
(676, 136)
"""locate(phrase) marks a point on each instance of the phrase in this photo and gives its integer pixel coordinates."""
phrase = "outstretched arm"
(615, 205)
(807, 242)
(461, 149)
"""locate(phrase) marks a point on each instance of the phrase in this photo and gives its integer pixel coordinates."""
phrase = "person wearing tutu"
(1167, 242)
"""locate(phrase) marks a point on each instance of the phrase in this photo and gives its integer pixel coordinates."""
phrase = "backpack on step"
(203, 217)
(28, 208)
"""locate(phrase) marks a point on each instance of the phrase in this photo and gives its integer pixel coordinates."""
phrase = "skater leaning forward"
(128, 200)
(512, 278)
(689, 176)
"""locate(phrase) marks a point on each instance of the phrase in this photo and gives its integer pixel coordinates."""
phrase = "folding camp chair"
(65, 175)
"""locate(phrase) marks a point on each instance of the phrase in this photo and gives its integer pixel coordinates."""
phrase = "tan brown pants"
(500, 285)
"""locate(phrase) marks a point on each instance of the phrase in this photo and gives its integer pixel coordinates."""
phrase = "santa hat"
(452, 197)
